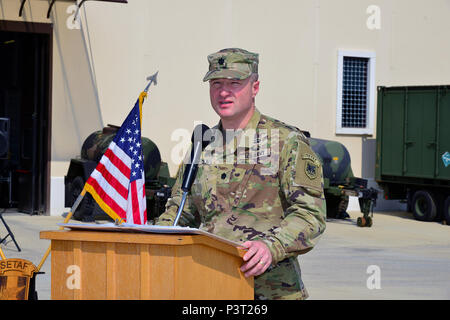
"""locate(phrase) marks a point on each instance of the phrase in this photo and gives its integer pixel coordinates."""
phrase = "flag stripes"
(118, 182)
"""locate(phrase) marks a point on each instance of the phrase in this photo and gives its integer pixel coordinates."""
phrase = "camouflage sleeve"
(301, 183)
(188, 217)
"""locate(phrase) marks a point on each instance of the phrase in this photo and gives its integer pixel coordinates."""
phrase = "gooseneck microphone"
(190, 169)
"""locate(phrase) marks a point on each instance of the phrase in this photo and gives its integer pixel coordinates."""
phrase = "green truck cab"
(413, 148)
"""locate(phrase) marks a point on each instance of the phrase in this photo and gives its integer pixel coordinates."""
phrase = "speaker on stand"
(4, 138)
(5, 174)
(5, 170)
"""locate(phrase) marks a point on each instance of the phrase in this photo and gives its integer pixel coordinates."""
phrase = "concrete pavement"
(398, 257)
(411, 258)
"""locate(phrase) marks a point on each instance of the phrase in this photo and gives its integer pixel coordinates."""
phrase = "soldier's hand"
(258, 258)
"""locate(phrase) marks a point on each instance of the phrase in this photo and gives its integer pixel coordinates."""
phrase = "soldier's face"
(231, 99)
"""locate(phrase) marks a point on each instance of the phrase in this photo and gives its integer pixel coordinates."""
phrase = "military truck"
(158, 183)
(340, 183)
(413, 149)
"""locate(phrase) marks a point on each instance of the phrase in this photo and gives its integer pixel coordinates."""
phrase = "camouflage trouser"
(282, 282)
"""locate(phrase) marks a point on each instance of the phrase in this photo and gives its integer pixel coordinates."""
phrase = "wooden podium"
(118, 265)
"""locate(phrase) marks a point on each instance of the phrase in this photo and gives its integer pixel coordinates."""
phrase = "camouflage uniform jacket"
(277, 199)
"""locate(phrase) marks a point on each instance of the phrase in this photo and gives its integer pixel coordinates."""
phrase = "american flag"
(118, 181)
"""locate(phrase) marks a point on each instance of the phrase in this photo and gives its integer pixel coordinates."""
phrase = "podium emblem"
(15, 275)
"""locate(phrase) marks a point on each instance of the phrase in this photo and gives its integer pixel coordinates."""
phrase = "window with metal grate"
(355, 92)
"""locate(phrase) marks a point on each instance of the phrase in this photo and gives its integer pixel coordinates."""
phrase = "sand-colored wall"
(100, 69)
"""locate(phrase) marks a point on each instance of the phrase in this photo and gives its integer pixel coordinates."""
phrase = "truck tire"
(424, 206)
(446, 215)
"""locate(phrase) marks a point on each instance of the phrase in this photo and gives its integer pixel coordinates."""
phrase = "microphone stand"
(180, 208)
(190, 171)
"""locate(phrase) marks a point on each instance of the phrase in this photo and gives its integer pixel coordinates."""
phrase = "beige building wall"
(100, 69)
(75, 105)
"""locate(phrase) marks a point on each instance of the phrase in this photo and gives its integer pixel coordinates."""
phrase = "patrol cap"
(232, 63)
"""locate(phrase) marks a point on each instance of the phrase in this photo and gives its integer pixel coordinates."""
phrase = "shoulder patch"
(308, 168)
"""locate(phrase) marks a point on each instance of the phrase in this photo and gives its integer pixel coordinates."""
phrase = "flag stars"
(127, 149)
(131, 144)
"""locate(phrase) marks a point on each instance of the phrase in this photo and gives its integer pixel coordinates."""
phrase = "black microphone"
(190, 170)
(198, 145)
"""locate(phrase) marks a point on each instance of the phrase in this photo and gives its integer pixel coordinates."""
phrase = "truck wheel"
(424, 206)
(447, 210)
(364, 222)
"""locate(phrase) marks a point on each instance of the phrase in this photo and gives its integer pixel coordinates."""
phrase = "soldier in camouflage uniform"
(268, 195)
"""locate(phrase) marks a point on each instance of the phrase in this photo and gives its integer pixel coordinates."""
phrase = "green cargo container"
(413, 148)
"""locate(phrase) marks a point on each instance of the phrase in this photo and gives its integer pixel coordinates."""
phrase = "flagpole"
(2, 254)
(69, 215)
(142, 96)
(152, 79)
